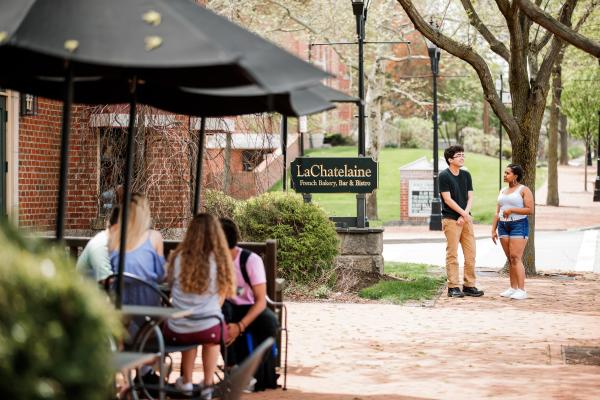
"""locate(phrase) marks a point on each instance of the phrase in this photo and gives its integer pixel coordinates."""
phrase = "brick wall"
(39, 155)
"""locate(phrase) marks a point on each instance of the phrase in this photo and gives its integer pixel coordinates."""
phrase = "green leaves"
(54, 327)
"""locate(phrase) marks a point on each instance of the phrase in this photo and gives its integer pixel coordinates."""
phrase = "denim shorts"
(516, 229)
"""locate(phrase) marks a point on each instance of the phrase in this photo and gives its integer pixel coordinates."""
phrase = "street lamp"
(360, 12)
(597, 183)
(435, 221)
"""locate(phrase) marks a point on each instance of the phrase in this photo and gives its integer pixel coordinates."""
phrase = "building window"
(251, 159)
(112, 165)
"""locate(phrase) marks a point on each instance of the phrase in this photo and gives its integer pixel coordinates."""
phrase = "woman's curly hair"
(204, 237)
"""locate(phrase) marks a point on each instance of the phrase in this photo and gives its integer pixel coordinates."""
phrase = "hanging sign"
(334, 175)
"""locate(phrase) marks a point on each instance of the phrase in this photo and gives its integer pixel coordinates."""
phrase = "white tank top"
(512, 200)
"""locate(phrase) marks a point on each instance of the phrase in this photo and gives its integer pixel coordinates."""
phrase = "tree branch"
(475, 60)
(497, 46)
(557, 44)
(559, 29)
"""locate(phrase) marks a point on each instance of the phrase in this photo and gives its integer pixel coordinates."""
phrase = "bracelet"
(241, 326)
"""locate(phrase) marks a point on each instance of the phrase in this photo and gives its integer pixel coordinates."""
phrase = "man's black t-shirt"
(459, 187)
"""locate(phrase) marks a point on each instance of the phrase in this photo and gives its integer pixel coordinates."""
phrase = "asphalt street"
(573, 251)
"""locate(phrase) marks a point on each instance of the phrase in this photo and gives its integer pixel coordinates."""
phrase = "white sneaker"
(508, 292)
(184, 388)
(207, 393)
(519, 294)
(250, 387)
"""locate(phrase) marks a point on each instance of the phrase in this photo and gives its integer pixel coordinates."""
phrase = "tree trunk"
(552, 196)
(227, 163)
(585, 165)
(564, 140)
(374, 97)
(524, 152)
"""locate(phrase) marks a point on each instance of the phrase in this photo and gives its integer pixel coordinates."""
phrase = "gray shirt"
(205, 304)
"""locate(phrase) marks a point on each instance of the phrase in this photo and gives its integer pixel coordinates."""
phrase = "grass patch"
(483, 169)
(420, 284)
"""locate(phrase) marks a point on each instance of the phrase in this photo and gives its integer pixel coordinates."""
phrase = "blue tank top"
(144, 262)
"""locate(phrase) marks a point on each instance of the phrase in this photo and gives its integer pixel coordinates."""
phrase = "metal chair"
(137, 290)
(233, 387)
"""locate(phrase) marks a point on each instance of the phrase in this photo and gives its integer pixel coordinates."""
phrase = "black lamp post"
(597, 183)
(435, 221)
(360, 12)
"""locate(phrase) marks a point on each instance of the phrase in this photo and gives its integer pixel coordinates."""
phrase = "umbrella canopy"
(247, 99)
(114, 39)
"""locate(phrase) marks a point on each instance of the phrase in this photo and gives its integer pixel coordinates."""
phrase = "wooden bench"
(267, 250)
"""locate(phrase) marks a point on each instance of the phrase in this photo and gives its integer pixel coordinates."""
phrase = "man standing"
(456, 189)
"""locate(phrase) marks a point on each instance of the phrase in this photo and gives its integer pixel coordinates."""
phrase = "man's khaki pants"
(464, 235)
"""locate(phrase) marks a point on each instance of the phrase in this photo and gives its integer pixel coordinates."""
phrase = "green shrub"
(306, 238)
(54, 327)
(412, 133)
(219, 204)
(576, 152)
(476, 141)
(337, 139)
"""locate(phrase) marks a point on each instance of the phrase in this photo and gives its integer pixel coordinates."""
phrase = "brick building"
(30, 151)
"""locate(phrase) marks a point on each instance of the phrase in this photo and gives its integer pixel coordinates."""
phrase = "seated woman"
(248, 312)
(144, 250)
(200, 274)
(144, 258)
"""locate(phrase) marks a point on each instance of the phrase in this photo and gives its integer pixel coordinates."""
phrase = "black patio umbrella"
(122, 45)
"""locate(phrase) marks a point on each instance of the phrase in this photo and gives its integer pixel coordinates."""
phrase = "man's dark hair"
(452, 150)
(114, 216)
(517, 170)
(231, 231)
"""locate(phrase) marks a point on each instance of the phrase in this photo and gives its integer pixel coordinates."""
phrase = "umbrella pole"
(64, 153)
(126, 194)
(199, 164)
(284, 147)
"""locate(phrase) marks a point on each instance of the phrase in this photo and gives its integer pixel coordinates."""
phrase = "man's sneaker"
(472, 291)
(207, 393)
(250, 387)
(519, 294)
(455, 292)
(508, 292)
(185, 388)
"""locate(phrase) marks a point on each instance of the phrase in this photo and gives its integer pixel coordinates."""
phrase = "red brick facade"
(39, 155)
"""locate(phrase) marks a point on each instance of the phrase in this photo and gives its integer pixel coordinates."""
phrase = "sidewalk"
(577, 211)
(475, 348)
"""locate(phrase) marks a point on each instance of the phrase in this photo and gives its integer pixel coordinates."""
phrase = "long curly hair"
(204, 237)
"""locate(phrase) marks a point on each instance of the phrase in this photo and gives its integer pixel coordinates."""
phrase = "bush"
(219, 204)
(337, 139)
(306, 238)
(576, 152)
(54, 327)
(411, 133)
(475, 141)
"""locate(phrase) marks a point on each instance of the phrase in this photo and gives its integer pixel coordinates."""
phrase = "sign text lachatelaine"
(319, 170)
(334, 175)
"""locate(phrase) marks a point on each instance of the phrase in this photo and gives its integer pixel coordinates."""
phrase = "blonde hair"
(204, 237)
(138, 222)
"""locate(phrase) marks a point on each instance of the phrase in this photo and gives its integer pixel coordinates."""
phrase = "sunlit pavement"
(555, 251)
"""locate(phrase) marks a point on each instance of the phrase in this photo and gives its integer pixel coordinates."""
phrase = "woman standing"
(201, 276)
(515, 203)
